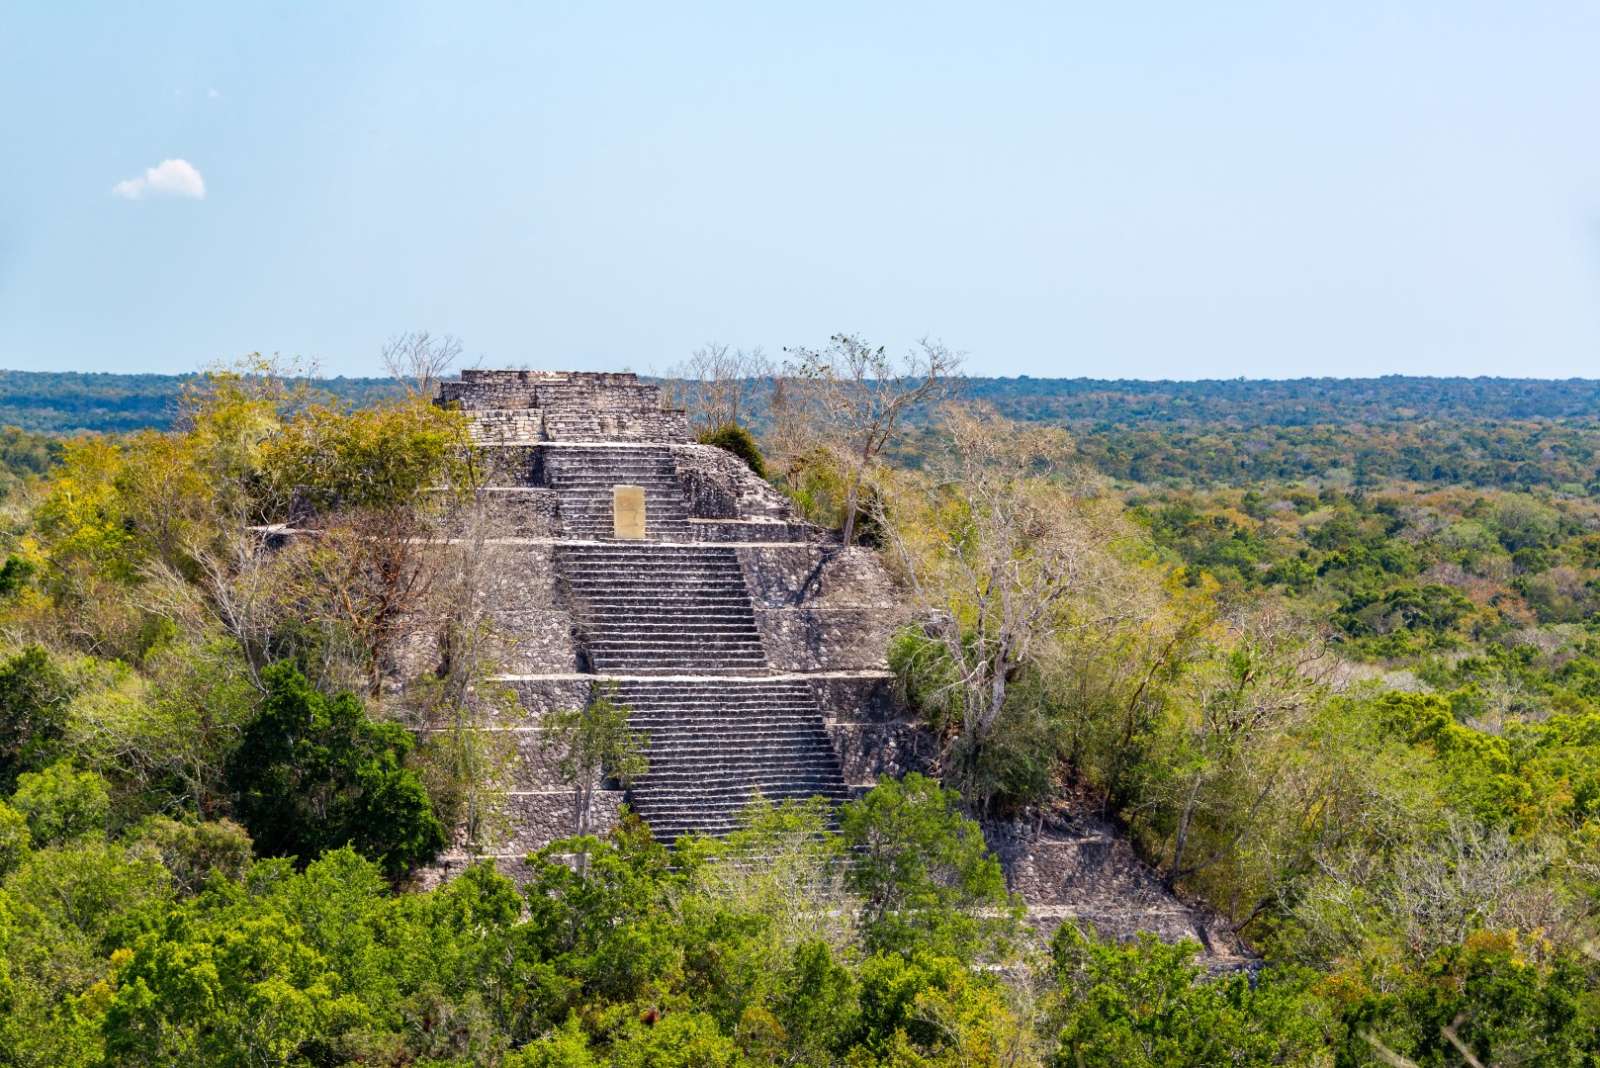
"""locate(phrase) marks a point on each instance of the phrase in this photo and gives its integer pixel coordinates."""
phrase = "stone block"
(627, 513)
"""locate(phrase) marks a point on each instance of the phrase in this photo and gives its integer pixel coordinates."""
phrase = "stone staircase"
(674, 626)
(583, 477)
(716, 742)
(648, 609)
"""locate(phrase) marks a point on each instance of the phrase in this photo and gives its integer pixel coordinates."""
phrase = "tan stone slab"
(627, 513)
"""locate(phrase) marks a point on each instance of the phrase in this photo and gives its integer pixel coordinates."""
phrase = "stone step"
(708, 776)
(650, 552)
(725, 804)
(629, 595)
(725, 778)
(655, 660)
(623, 591)
(676, 608)
(616, 640)
(646, 609)
(678, 663)
(667, 755)
(719, 715)
(669, 622)
(800, 742)
(711, 710)
(753, 732)
(648, 623)
(683, 651)
(691, 581)
(642, 554)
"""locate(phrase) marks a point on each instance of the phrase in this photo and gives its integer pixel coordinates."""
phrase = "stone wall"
(720, 486)
(563, 406)
(507, 426)
(536, 820)
(533, 629)
(821, 607)
(523, 512)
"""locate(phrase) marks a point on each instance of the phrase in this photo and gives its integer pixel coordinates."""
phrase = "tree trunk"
(850, 514)
(1182, 841)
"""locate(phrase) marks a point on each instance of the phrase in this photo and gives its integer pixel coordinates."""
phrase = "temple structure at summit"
(749, 645)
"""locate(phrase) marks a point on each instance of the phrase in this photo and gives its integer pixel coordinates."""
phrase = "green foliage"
(15, 838)
(592, 743)
(1432, 608)
(1144, 1004)
(1502, 998)
(16, 574)
(162, 735)
(1423, 838)
(731, 437)
(314, 773)
(329, 459)
(925, 874)
(33, 713)
(61, 804)
(1017, 762)
(193, 853)
(63, 402)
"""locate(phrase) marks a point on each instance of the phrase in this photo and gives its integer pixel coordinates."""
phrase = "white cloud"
(169, 178)
(213, 94)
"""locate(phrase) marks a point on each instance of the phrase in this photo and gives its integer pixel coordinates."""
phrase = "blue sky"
(1144, 190)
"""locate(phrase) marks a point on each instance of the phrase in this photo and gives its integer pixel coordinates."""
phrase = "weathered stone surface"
(739, 531)
(509, 427)
(1070, 865)
(523, 762)
(540, 695)
(522, 512)
(720, 486)
(784, 576)
(870, 751)
(866, 697)
(537, 819)
(824, 639)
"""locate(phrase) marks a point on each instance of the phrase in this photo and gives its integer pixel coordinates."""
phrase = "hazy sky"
(1145, 190)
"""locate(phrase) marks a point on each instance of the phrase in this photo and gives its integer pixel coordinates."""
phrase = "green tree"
(33, 713)
(15, 839)
(61, 803)
(327, 459)
(1149, 1005)
(731, 437)
(313, 773)
(858, 399)
(591, 744)
(1496, 998)
(924, 873)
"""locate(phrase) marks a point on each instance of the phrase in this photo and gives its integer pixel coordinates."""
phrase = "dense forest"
(1491, 432)
(64, 400)
(1328, 652)
(58, 402)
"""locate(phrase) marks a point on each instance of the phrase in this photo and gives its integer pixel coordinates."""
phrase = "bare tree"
(857, 397)
(591, 744)
(418, 360)
(1264, 679)
(992, 552)
(453, 692)
(717, 382)
(366, 576)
